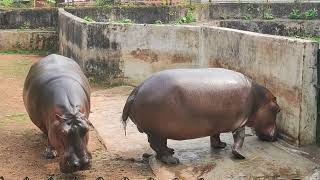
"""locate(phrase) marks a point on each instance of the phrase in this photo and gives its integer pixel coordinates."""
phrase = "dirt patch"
(21, 154)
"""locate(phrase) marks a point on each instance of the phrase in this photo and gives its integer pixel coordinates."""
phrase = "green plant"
(104, 2)
(311, 13)
(188, 18)
(6, 3)
(295, 14)
(51, 2)
(158, 22)
(247, 17)
(268, 14)
(88, 19)
(25, 25)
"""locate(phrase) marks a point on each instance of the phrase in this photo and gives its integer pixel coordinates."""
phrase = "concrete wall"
(132, 51)
(279, 27)
(203, 12)
(31, 17)
(28, 40)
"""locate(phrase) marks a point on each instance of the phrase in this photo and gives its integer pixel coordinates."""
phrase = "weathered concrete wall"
(132, 51)
(31, 17)
(98, 55)
(275, 27)
(138, 14)
(203, 12)
(28, 40)
(257, 10)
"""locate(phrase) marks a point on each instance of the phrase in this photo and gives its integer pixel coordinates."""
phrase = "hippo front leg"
(164, 154)
(50, 152)
(238, 137)
(216, 143)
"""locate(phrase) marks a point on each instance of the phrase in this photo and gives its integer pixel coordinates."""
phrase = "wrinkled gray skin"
(56, 95)
(185, 104)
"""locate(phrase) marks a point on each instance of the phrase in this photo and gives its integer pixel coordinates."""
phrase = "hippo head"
(69, 134)
(265, 117)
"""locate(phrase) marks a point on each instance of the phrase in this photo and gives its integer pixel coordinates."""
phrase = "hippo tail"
(127, 108)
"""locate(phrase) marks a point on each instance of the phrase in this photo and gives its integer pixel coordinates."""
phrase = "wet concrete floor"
(264, 160)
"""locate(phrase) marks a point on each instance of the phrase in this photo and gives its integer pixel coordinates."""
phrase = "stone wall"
(132, 52)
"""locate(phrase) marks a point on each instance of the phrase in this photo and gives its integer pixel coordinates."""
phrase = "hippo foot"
(237, 154)
(219, 145)
(169, 159)
(170, 150)
(50, 153)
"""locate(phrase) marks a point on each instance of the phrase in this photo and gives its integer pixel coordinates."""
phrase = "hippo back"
(52, 68)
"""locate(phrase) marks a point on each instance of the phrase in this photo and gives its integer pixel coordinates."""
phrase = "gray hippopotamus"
(56, 96)
(183, 104)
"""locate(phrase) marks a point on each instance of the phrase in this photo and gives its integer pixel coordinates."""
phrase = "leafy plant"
(311, 13)
(158, 22)
(188, 18)
(104, 2)
(268, 14)
(89, 19)
(247, 17)
(6, 3)
(295, 14)
(51, 1)
(25, 25)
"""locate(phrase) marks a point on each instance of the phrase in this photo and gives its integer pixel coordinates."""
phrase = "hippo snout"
(69, 165)
(271, 137)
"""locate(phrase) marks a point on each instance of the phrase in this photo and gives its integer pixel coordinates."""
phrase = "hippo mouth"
(73, 166)
(271, 137)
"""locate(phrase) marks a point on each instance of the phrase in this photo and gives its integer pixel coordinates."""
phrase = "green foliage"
(311, 13)
(268, 14)
(25, 25)
(6, 3)
(247, 17)
(188, 18)
(124, 21)
(89, 19)
(315, 38)
(295, 14)
(51, 2)
(158, 22)
(104, 2)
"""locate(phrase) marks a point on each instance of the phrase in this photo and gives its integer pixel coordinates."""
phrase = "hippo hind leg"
(164, 154)
(216, 143)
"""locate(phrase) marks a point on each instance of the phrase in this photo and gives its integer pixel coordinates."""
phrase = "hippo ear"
(274, 107)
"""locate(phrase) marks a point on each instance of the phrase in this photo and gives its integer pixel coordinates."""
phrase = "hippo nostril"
(76, 164)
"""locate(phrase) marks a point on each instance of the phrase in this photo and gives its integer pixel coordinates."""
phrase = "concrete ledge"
(28, 40)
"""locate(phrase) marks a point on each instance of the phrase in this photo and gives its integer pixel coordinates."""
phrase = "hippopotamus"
(183, 104)
(56, 95)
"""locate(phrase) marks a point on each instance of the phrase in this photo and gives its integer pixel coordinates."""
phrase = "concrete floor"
(264, 160)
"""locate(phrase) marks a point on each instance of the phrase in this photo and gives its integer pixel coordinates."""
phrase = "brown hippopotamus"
(183, 104)
(56, 95)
